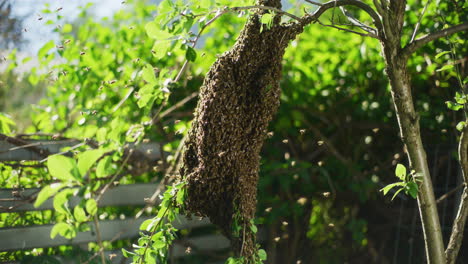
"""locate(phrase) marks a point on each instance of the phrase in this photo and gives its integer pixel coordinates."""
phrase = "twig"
(243, 240)
(179, 104)
(98, 232)
(456, 237)
(358, 23)
(19, 165)
(123, 100)
(313, 2)
(22, 143)
(151, 235)
(309, 18)
(106, 187)
(349, 30)
(64, 152)
(451, 192)
(416, 28)
(418, 43)
(276, 10)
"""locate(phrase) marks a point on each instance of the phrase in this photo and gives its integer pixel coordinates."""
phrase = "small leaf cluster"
(158, 233)
(408, 183)
(71, 179)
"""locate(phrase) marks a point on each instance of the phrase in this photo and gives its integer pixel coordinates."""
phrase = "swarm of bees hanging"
(239, 97)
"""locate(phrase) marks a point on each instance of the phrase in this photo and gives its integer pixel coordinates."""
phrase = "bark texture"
(456, 237)
(239, 97)
(408, 120)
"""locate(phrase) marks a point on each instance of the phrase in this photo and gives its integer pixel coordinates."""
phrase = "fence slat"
(12, 152)
(17, 200)
(21, 238)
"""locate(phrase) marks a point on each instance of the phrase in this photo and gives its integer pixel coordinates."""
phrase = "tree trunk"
(393, 14)
(408, 121)
(239, 97)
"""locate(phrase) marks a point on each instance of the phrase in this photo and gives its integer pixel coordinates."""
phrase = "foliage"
(157, 234)
(407, 183)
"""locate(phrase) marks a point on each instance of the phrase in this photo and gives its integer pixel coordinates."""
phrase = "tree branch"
(310, 18)
(23, 144)
(349, 30)
(456, 236)
(415, 45)
(416, 28)
(356, 22)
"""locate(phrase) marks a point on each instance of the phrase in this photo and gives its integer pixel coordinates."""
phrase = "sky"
(35, 29)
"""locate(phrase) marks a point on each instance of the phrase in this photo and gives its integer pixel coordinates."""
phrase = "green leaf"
(453, 106)
(460, 98)
(46, 193)
(59, 228)
(91, 206)
(231, 260)
(148, 75)
(267, 19)
(165, 6)
(387, 188)
(153, 30)
(158, 244)
(180, 196)
(61, 199)
(127, 253)
(441, 54)
(160, 48)
(253, 228)
(147, 225)
(67, 28)
(190, 54)
(103, 168)
(412, 189)
(144, 100)
(101, 134)
(400, 172)
(461, 125)
(79, 214)
(5, 124)
(397, 192)
(262, 254)
(43, 51)
(87, 159)
(446, 67)
(61, 167)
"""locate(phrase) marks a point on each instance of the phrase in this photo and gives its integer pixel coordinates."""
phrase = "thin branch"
(23, 144)
(418, 43)
(269, 8)
(456, 237)
(451, 192)
(99, 238)
(106, 187)
(21, 165)
(64, 152)
(416, 28)
(314, 3)
(349, 30)
(310, 18)
(357, 22)
(178, 105)
(123, 100)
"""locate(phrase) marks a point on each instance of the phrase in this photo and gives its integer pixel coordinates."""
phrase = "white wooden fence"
(38, 236)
